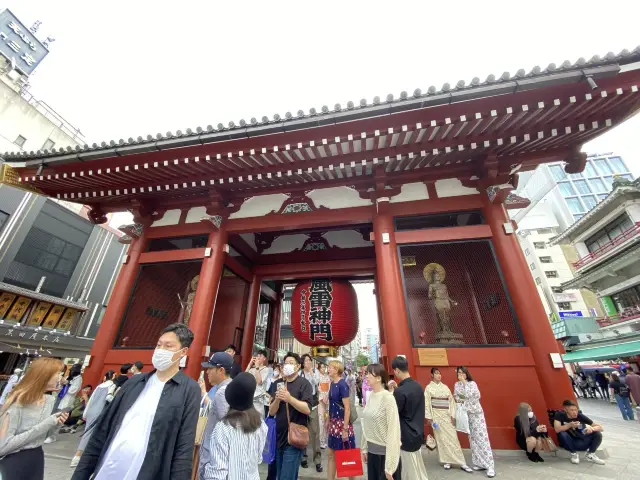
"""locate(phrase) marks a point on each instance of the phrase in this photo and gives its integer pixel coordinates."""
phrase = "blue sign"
(19, 44)
(576, 313)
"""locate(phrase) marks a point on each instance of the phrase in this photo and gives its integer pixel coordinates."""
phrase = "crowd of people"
(620, 387)
(164, 425)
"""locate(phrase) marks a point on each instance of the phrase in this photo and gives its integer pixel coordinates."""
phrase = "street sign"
(573, 314)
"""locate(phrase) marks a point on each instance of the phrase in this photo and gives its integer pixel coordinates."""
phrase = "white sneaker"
(74, 462)
(49, 440)
(592, 457)
(575, 458)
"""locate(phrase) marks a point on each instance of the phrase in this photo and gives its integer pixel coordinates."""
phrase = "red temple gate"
(412, 192)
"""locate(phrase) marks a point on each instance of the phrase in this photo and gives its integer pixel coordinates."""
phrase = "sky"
(121, 69)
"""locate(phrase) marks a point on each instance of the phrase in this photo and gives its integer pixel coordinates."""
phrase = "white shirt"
(126, 453)
(236, 455)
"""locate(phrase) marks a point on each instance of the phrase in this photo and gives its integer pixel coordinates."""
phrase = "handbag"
(269, 450)
(462, 419)
(203, 418)
(348, 463)
(298, 434)
(431, 443)
(545, 444)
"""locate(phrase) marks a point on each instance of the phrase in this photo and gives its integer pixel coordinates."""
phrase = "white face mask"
(288, 370)
(163, 359)
(530, 414)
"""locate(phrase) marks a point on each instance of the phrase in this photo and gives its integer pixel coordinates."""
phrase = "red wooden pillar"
(249, 331)
(532, 317)
(205, 300)
(391, 291)
(122, 290)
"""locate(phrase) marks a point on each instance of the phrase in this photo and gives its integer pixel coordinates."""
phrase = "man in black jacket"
(148, 431)
(410, 400)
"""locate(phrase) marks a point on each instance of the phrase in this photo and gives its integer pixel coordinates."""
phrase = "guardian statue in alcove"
(434, 274)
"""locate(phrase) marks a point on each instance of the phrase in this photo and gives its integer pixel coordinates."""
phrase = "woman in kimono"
(440, 412)
(466, 393)
(323, 405)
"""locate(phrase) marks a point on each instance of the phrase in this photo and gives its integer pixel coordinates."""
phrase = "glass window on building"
(627, 298)
(551, 274)
(20, 141)
(597, 185)
(566, 189)
(574, 205)
(4, 216)
(526, 251)
(538, 280)
(582, 187)
(557, 172)
(589, 201)
(578, 216)
(545, 259)
(556, 289)
(564, 305)
(608, 181)
(589, 170)
(602, 197)
(628, 177)
(539, 245)
(618, 165)
(532, 266)
(48, 144)
(602, 166)
(575, 176)
(617, 227)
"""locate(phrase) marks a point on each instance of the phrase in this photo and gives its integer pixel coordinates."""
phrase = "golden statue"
(434, 274)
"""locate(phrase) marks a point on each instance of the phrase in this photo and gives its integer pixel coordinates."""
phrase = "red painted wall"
(505, 376)
(228, 313)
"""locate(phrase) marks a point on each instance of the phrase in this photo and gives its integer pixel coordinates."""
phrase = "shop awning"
(606, 352)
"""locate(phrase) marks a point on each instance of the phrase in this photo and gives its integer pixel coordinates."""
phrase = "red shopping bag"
(348, 463)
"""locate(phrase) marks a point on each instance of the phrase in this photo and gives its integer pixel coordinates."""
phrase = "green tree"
(362, 360)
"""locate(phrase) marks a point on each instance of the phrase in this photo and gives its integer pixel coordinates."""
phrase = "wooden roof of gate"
(524, 120)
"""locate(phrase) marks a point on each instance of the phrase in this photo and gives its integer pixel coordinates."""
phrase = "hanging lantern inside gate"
(324, 315)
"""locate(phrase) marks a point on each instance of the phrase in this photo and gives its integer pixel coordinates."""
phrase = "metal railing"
(630, 313)
(620, 239)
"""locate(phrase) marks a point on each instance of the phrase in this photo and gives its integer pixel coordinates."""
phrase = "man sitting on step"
(577, 433)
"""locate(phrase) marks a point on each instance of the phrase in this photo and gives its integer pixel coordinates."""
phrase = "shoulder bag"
(298, 434)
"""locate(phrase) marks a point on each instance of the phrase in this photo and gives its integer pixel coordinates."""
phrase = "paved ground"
(621, 440)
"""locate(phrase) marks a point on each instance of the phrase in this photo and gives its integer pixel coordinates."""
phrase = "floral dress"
(337, 392)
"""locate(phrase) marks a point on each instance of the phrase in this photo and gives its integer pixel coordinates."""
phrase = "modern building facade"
(558, 200)
(57, 268)
(50, 258)
(608, 241)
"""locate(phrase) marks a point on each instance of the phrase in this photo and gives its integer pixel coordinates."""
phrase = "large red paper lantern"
(324, 313)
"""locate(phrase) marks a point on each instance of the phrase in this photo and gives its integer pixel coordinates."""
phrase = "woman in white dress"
(467, 394)
(440, 412)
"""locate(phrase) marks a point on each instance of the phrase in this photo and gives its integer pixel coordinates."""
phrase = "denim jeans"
(573, 444)
(624, 404)
(288, 462)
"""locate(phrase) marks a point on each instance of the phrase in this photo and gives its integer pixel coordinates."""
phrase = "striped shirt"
(235, 454)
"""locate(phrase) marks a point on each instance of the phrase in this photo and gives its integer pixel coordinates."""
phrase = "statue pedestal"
(450, 338)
